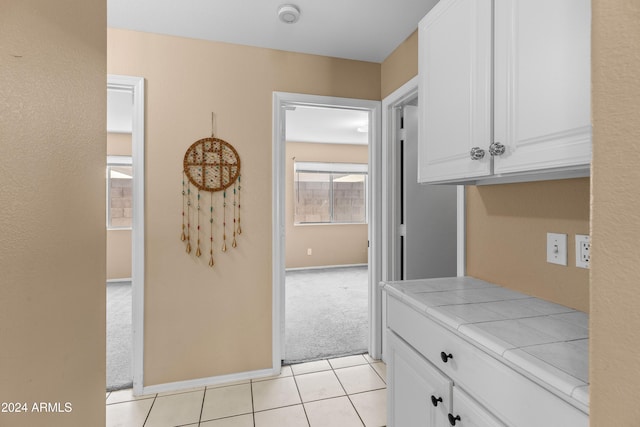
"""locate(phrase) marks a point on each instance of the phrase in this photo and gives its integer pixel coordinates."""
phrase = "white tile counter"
(546, 342)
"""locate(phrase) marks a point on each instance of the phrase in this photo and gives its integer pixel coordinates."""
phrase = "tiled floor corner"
(345, 391)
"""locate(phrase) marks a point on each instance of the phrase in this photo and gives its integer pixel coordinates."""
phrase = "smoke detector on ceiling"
(289, 14)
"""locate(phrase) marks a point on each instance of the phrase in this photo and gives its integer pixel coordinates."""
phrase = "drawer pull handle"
(445, 357)
(452, 419)
(435, 401)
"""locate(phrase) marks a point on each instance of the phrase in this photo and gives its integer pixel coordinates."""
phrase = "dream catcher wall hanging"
(211, 165)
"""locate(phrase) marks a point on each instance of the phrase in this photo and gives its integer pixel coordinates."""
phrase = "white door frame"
(136, 85)
(281, 102)
(390, 268)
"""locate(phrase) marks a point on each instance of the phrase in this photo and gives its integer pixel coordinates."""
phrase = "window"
(330, 193)
(119, 192)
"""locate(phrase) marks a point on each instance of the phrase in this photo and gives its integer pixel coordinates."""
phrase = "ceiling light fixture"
(288, 13)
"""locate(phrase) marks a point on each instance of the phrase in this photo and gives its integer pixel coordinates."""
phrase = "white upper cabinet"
(508, 80)
(542, 84)
(454, 90)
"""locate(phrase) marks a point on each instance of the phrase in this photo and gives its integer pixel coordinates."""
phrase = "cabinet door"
(468, 413)
(454, 62)
(542, 84)
(413, 387)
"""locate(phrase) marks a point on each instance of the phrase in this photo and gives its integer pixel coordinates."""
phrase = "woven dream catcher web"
(211, 165)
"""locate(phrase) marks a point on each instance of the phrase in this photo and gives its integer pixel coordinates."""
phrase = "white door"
(455, 62)
(542, 84)
(429, 219)
(418, 394)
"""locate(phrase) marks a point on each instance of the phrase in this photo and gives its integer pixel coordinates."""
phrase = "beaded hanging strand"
(211, 263)
(183, 236)
(239, 188)
(198, 252)
(224, 221)
(233, 243)
(188, 218)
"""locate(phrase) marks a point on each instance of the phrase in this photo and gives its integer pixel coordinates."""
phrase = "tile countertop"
(546, 342)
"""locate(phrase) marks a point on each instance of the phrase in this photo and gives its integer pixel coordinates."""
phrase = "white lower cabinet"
(436, 378)
(421, 396)
(418, 393)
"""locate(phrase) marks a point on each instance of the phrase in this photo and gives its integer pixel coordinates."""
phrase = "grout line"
(355, 409)
(340, 382)
(378, 374)
(253, 408)
(204, 396)
(285, 406)
(300, 396)
(150, 409)
(348, 396)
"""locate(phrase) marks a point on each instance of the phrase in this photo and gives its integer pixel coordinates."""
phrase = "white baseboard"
(124, 280)
(325, 267)
(210, 381)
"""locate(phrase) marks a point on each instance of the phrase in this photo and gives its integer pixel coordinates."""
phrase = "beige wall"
(203, 322)
(118, 254)
(507, 228)
(52, 250)
(118, 241)
(118, 144)
(331, 244)
(401, 66)
(615, 274)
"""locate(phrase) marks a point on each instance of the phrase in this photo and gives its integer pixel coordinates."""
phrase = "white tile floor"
(342, 392)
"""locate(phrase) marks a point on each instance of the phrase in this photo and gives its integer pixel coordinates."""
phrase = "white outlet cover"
(580, 261)
(557, 248)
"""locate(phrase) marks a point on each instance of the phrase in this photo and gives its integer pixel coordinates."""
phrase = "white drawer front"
(515, 399)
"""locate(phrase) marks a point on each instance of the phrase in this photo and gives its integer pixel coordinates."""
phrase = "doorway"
(288, 101)
(423, 225)
(126, 213)
(326, 279)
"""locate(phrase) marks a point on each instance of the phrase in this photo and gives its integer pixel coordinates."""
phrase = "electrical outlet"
(557, 248)
(309, 251)
(583, 251)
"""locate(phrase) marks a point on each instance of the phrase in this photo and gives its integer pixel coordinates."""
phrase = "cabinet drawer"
(505, 392)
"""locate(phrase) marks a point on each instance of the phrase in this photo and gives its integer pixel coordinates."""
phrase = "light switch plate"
(557, 248)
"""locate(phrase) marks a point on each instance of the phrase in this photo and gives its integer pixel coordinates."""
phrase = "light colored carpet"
(326, 313)
(119, 336)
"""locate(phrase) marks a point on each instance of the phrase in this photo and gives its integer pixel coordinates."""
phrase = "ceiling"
(366, 30)
(327, 125)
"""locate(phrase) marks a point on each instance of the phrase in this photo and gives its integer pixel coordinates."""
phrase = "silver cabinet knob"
(497, 149)
(477, 153)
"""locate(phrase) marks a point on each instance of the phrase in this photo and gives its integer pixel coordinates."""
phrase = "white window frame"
(334, 168)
